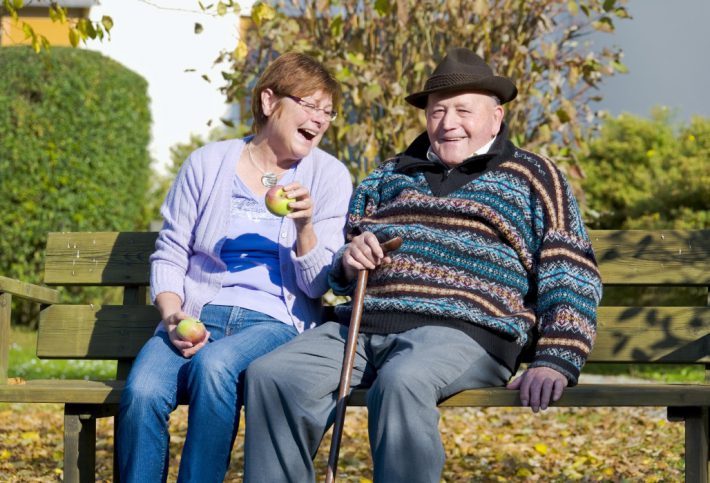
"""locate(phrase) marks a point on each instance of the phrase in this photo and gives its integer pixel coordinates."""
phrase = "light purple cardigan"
(196, 217)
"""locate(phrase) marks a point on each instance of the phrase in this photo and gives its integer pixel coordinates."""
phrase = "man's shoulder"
(537, 164)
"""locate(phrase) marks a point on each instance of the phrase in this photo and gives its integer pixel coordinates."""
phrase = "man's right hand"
(363, 253)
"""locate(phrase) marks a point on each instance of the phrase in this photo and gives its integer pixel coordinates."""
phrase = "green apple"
(191, 330)
(277, 201)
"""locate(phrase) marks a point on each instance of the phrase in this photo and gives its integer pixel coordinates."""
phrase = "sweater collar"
(443, 180)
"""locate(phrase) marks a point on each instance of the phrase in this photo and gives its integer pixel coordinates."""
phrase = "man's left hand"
(538, 386)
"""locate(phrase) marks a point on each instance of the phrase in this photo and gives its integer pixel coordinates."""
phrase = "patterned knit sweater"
(498, 250)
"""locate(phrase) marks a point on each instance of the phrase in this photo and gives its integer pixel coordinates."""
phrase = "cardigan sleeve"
(330, 210)
(169, 262)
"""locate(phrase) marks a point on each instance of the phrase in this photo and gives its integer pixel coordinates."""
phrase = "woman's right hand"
(186, 348)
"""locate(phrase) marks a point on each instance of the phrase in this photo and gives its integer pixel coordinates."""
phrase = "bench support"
(697, 439)
(79, 444)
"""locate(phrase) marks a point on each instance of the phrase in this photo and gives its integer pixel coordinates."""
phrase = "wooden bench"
(116, 332)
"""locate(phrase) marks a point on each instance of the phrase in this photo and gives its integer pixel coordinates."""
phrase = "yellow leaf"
(5, 455)
(523, 472)
(240, 52)
(541, 448)
(261, 12)
(30, 435)
(365, 480)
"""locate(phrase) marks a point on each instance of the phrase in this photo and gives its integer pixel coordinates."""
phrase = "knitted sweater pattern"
(507, 251)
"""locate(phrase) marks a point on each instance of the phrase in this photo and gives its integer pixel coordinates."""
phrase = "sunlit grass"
(25, 365)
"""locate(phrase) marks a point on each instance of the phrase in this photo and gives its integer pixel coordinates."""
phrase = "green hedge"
(74, 134)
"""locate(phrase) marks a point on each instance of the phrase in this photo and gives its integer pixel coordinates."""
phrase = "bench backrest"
(626, 258)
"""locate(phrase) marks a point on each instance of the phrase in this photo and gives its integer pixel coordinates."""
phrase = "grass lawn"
(24, 364)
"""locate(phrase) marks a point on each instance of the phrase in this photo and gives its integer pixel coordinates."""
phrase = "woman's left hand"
(302, 216)
(302, 206)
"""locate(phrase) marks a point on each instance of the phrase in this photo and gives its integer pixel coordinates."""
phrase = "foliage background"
(383, 50)
(648, 173)
(73, 151)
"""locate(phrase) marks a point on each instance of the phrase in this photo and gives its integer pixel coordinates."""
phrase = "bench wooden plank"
(28, 291)
(583, 395)
(661, 257)
(5, 315)
(626, 257)
(95, 332)
(626, 334)
(101, 258)
(652, 334)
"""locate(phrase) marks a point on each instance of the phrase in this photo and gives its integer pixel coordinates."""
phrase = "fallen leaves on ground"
(482, 445)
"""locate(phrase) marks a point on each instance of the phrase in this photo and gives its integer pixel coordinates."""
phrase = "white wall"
(156, 39)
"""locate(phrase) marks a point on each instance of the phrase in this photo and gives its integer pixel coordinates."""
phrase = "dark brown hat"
(463, 70)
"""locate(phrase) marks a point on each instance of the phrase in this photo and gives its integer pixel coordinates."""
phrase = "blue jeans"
(211, 382)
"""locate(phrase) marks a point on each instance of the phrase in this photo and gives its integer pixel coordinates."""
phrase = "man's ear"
(268, 102)
(498, 115)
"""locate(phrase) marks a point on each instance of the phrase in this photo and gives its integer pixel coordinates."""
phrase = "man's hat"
(463, 70)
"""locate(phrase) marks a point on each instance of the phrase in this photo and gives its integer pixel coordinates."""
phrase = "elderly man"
(495, 258)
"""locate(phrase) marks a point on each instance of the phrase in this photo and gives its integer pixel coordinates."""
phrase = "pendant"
(269, 179)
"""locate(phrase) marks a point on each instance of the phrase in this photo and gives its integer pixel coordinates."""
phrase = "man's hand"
(538, 386)
(363, 253)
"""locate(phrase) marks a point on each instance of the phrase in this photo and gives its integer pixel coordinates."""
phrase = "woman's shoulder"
(323, 160)
(210, 156)
(217, 149)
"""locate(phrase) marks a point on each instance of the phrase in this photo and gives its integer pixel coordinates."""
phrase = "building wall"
(38, 18)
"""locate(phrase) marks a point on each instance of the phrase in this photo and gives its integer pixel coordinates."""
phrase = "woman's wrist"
(306, 238)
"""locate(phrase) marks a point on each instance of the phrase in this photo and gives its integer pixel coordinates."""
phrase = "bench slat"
(626, 334)
(101, 258)
(583, 395)
(629, 257)
(662, 257)
(95, 331)
(652, 334)
(29, 291)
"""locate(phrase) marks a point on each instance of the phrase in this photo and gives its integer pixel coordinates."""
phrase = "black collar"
(442, 179)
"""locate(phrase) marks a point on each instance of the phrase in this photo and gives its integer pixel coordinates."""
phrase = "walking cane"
(349, 360)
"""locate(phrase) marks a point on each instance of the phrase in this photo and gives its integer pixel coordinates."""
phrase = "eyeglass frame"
(311, 108)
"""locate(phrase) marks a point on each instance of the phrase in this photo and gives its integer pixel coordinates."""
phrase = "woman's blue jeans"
(211, 382)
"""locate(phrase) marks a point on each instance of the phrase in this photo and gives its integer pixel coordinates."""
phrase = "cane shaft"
(348, 363)
(346, 374)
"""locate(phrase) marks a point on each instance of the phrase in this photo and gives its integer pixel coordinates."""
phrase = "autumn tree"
(382, 50)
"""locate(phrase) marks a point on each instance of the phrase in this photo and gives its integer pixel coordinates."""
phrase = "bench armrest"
(29, 291)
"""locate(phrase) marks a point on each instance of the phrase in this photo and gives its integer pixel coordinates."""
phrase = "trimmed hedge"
(74, 134)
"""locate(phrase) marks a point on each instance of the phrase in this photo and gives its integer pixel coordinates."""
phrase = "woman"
(254, 279)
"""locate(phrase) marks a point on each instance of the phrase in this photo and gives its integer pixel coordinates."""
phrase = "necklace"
(268, 178)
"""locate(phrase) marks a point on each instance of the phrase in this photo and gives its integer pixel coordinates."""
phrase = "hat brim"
(501, 87)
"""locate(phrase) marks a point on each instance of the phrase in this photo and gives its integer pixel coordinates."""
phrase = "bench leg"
(116, 475)
(697, 434)
(79, 445)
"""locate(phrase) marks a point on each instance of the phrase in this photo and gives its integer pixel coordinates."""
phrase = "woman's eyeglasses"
(312, 108)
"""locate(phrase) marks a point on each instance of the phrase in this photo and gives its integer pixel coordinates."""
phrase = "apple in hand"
(277, 201)
(191, 330)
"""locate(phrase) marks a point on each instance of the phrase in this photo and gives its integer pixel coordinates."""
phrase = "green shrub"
(648, 173)
(74, 134)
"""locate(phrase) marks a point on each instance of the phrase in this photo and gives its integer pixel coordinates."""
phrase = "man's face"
(459, 124)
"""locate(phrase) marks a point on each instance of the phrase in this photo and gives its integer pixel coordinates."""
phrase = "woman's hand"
(170, 307)
(302, 216)
(302, 206)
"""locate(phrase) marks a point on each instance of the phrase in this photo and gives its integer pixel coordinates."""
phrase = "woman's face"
(293, 130)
